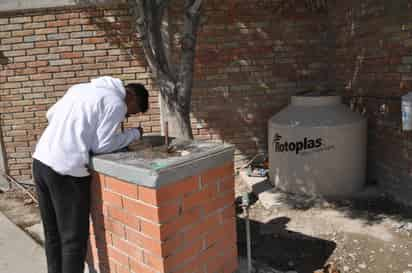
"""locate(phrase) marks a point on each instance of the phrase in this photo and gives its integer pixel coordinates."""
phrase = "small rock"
(409, 265)
(363, 266)
(291, 264)
(346, 268)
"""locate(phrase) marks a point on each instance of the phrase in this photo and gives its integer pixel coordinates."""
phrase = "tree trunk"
(179, 124)
(175, 86)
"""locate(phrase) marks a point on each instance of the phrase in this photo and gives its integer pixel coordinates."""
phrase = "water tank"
(317, 146)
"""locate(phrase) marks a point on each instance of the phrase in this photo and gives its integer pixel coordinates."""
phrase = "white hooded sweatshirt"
(85, 120)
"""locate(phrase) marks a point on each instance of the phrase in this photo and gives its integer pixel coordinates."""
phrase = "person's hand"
(140, 131)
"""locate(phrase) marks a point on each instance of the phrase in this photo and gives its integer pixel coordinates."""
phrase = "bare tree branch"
(150, 34)
(191, 23)
(195, 8)
(175, 88)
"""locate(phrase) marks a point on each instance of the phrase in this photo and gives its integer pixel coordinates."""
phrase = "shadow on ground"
(273, 244)
(371, 208)
(369, 205)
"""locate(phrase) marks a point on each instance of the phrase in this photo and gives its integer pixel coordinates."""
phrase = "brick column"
(185, 226)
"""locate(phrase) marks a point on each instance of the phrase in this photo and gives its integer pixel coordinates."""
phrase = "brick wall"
(373, 60)
(50, 50)
(186, 226)
(250, 60)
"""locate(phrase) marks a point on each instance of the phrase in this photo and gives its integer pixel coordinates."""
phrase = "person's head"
(137, 98)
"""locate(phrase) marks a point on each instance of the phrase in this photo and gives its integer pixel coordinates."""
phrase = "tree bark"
(175, 86)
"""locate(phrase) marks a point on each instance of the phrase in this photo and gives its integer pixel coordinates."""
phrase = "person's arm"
(108, 137)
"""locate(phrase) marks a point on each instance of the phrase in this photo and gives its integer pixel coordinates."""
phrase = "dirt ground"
(367, 235)
(370, 234)
(18, 207)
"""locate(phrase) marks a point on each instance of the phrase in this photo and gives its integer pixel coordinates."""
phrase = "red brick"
(123, 217)
(226, 184)
(44, 76)
(42, 18)
(46, 44)
(65, 16)
(124, 246)
(112, 199)
(141, 209)
(153, 261)
(94, 40)
(59, 23)
(151, 230)
(178, 189)
(70, 55)
(200, 197)
(117, 256)
(22, 32)
(121, 187)
(231, 266)
(213, 175)
(187, 218)
(148, 195)
(182, 256)
(227, 199)
(220, 233)
(138, 267)
(168, 212)
(141, 241)
(115, 227)
(201, 227)
(45, 31)
(37, 63)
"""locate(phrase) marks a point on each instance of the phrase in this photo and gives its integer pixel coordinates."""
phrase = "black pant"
(64, 207)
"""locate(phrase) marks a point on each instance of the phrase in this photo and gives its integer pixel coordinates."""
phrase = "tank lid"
(315, 100)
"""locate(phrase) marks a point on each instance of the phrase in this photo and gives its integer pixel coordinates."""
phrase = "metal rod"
(248, 242)
(11, 179)
(166, 128)
(245, 205)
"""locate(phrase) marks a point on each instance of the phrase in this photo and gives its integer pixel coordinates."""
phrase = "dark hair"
(142, 95)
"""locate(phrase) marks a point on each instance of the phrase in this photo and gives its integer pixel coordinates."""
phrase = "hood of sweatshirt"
(110, 83)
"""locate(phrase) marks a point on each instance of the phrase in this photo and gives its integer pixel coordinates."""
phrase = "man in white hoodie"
(84, 121)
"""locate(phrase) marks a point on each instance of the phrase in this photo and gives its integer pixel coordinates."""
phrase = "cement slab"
(37, 232)
(150, 168)
(19, 252)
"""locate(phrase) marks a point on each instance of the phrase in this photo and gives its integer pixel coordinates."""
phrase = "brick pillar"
(185, 226)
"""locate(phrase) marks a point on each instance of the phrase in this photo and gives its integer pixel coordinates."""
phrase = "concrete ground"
(19, 252)
(368, 233)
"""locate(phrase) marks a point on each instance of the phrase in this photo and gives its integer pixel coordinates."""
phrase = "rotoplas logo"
(296, 146)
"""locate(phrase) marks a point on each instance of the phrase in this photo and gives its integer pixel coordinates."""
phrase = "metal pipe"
(245, 205)
(166, 128)
(248, 242)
